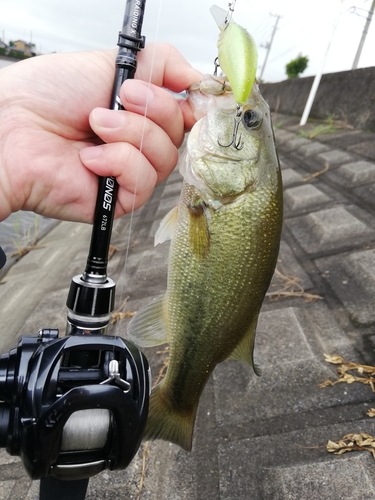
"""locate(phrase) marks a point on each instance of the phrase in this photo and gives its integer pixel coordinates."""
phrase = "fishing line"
(231, 6)
(121, 288)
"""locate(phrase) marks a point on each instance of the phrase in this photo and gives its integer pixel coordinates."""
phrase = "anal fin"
(244, 351)
(164, 422)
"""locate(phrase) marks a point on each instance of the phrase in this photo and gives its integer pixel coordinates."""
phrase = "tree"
(296, 66)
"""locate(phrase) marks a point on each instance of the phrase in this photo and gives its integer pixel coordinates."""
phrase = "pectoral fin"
(167, 226)
(245, 349)
(199, 235)
(149, 326)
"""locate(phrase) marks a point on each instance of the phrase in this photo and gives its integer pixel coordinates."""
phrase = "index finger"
(157, 104)
(168, 69)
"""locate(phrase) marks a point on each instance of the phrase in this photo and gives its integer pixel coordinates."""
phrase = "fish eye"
(252, 119)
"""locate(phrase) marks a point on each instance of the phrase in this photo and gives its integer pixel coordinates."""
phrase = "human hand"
(54, 124)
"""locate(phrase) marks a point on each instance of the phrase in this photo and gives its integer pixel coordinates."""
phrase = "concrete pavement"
(255, 438)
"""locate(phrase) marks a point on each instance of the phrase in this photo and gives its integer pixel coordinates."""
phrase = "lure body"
(238, 56)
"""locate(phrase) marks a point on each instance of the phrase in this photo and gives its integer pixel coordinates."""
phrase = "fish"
(225, 235)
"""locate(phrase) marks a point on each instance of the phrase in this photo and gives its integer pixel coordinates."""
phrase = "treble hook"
(236, 144)
(217, 65)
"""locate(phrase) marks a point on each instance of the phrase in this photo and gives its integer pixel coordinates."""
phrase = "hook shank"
(237, 144)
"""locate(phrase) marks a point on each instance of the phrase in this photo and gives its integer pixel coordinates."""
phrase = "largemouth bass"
(225, 236)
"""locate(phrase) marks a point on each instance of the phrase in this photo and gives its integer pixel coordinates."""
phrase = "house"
(3, 45)
(27, 49)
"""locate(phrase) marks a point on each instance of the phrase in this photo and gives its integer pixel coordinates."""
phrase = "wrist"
(7, 198)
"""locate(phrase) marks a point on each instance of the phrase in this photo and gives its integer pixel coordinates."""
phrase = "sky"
(304, 28)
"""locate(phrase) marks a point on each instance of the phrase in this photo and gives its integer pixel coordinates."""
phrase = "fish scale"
(244, 284)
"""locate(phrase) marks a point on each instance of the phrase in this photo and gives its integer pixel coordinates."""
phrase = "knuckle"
(147, 131)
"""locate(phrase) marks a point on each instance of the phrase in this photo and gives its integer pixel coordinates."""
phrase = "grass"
(326, 128)
(24, 242)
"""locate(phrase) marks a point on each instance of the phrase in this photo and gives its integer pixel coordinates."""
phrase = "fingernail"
(107, 118)
(138, 92)
(90, 153)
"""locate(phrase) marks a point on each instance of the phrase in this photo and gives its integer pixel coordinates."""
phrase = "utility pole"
(318, 76)
(269, 45)
(363, 38)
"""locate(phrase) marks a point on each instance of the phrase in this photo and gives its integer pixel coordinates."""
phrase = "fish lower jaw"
(220, 157)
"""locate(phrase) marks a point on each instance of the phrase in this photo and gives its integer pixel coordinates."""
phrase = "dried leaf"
(316, 174)
(164, 367)
(288, 286)
(371, 412)
(332, 446)
(353, 442)
(367, 372)
(326, 383)
(334, 359)
(145, 453)
(111, 251)
(22, 251)
(118, 315)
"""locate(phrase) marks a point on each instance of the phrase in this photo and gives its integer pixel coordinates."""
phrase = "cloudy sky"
(305, 28)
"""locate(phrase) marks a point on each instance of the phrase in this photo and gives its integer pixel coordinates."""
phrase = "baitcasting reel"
(73, 406)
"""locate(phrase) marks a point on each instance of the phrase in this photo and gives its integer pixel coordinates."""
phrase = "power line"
(265, 33)
(261, 27)
(313, 35)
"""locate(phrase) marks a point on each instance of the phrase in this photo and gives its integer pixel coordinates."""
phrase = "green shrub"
(296, 66)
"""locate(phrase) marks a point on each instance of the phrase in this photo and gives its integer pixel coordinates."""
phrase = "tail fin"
(164, 422)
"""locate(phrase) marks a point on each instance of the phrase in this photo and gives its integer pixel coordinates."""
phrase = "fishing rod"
(91, 296)
(76, 405)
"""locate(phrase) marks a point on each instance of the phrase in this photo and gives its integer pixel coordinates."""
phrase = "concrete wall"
(347, 96)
